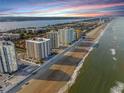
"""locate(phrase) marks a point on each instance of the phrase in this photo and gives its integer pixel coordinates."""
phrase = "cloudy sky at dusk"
(66, 8)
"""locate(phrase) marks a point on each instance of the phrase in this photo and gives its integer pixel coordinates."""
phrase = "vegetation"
(39, 61)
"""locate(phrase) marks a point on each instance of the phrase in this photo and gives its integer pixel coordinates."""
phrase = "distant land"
(10, 19)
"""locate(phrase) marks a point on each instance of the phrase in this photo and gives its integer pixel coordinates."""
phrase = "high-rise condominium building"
(38, 48)
(8, 62)
(78, 34)
(67, 36)
(54, 39)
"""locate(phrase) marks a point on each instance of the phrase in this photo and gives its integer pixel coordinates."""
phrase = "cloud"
(66, 8)
(94, 14)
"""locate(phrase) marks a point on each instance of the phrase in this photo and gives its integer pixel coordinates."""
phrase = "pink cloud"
(71, 10)
(94, 14)
(76, 8)
(100, 6)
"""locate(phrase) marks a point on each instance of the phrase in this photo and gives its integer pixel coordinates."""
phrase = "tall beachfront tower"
(67, 36)
(54, 39)
(8, 62)
(78, 34)
(38, 48)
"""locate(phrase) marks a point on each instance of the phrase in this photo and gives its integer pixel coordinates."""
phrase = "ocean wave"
(118, 88)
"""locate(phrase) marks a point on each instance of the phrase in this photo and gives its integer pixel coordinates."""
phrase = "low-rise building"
(34, 30)
(9, 36)
(30, 30)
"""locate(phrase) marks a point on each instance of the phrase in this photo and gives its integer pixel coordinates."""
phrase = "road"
(43, 68)
(59, 71)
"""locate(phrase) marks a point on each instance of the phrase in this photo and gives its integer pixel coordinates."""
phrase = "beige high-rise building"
(38, 48)
(78, 34)
(54, 39)
(66, 36)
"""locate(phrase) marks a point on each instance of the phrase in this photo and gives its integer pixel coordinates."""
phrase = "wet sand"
(60, 73)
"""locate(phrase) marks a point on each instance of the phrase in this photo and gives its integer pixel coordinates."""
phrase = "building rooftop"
(6, 42)
(53, 31)
(38, 40)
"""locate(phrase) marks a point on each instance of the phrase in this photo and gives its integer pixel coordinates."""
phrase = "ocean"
(103, 69)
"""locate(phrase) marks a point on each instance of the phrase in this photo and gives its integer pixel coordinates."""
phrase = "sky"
(61, 8)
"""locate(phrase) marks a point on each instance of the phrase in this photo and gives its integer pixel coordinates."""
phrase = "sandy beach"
(60, 73)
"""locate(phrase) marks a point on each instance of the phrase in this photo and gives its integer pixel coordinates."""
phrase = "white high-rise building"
(8, 62)
(67, 36)
(54, 39)
(38, 48)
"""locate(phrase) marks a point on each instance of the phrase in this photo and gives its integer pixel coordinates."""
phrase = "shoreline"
(74, 76)
(62, 69)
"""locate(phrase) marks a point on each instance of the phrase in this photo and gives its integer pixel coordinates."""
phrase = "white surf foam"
(118, 88)
(115, 37)
(113, 51)
(114, 58)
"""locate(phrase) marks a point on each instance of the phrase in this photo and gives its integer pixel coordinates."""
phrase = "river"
(4, 26)
(103, 69)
